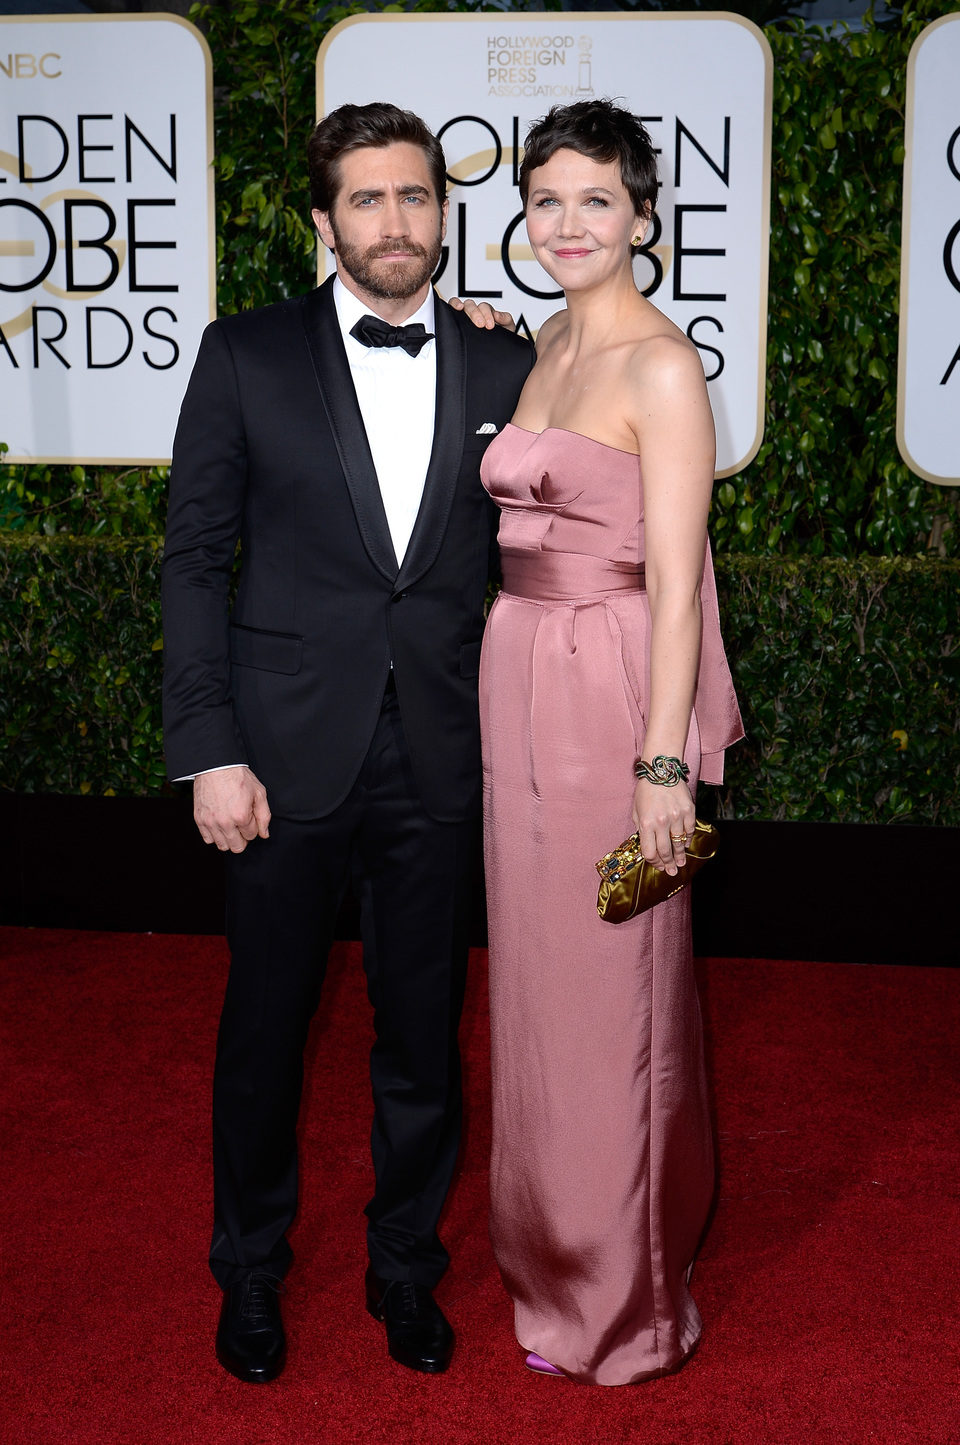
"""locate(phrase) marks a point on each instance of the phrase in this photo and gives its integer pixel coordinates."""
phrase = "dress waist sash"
(568, 576)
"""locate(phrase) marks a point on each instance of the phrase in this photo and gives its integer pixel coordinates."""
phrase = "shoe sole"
(251, 1377)
(423, 1367)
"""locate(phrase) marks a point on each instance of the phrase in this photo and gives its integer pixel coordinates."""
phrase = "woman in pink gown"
(602, 649)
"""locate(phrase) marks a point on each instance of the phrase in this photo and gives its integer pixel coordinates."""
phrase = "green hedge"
(848, 674)
(80, 665)
(79, 501)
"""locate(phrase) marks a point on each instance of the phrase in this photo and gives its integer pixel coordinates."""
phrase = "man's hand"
(230, 808)
(482, 314)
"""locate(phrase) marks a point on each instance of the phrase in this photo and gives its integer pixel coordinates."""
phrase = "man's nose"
(394, 221)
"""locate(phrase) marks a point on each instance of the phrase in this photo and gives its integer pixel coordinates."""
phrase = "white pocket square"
(488, 429)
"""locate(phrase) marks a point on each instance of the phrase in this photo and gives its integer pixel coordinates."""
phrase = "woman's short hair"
(354, 127)
(604, 132)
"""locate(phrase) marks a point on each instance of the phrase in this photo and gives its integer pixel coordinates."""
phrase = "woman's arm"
(674, 428)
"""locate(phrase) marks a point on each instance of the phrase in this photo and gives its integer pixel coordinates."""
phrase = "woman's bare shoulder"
(666, 388)
(551, 329)
(666, 360)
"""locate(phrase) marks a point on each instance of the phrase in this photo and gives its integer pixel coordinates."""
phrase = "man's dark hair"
(355, 127)
(604, 132)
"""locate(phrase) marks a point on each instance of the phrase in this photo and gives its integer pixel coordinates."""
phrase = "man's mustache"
(409, 248)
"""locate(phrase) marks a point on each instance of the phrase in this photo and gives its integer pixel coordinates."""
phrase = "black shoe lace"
(407, 1300)
(256, 1305)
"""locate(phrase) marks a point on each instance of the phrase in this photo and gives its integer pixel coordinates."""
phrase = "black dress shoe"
(418, 1334)
(251, 1343)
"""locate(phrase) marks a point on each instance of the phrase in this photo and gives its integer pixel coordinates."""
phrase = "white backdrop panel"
(928, 390)
(106, 233)
(702, 83)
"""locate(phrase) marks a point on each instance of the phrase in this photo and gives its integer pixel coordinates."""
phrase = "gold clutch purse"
(630, 885)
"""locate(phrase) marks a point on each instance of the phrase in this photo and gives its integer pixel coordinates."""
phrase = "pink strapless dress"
(602, 1167)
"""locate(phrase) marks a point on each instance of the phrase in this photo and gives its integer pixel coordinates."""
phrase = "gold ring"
(678, 837)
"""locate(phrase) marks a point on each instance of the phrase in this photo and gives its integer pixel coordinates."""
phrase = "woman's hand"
(664, 819)
(482, 314)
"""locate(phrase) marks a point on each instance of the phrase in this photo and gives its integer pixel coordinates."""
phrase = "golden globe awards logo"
(105, 233)
(76, 229)
(670, 273)
(704, 93)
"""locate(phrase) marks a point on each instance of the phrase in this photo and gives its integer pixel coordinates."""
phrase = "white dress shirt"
(397, 393)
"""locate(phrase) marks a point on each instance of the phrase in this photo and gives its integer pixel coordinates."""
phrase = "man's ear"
(321, 219)
(444, 213)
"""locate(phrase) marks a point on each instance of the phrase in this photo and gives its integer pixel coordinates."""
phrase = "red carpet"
(828, 1282)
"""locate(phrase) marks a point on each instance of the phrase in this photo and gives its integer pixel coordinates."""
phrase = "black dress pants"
(416, 881)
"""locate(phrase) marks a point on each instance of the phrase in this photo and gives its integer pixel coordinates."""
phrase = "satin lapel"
(343, 413)
(447, 453)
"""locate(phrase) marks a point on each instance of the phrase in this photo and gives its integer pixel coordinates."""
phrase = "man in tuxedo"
(329, 717)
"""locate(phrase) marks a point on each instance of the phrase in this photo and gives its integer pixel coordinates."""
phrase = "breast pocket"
(477, 445)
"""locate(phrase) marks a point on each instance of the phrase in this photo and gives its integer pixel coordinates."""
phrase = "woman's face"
(580, 219)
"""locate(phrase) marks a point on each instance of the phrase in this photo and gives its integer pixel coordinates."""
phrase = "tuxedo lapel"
(332, 372)
(441, 480)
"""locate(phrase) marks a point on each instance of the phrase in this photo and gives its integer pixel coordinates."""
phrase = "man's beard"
(394, 282)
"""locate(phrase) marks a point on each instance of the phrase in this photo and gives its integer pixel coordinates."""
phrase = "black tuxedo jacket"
(271, 450)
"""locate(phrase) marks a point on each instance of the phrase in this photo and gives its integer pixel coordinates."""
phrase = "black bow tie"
(371, 331)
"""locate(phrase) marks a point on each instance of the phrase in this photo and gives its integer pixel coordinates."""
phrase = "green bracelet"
(666, 772)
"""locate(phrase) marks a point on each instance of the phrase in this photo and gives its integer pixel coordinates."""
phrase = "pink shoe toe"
(540, 1366)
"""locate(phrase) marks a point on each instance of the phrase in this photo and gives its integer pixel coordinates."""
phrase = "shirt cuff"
(189, 777)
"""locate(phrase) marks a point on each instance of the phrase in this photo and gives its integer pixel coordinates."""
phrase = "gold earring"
(636, 241)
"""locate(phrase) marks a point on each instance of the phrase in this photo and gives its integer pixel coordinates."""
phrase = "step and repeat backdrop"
(107, 242)
(107, 247)
(702, 84)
